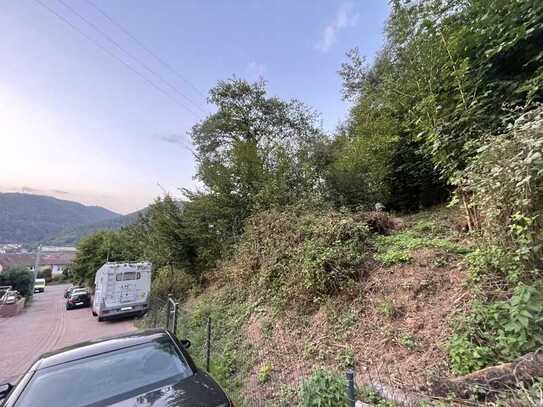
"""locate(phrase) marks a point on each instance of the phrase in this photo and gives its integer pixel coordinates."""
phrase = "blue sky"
(78, 124)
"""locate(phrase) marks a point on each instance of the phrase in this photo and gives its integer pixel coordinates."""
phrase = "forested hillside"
(72, 235)
(30, 218)
(284, 243)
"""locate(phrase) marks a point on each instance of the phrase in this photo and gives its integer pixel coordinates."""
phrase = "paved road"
(46, 325)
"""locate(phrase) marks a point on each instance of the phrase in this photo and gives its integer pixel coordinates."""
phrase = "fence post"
(168, 311)
(175, 319)
(208, 347)
(351, 398)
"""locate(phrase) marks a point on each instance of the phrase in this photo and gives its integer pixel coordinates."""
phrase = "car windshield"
(106, 378)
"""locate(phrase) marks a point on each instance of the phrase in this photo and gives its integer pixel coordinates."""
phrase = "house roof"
(9, 260)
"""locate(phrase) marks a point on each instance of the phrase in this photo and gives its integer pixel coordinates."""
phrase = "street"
(45, 326)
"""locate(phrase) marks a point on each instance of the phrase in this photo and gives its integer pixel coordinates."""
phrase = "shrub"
(47, 274)
(21, 279)
(498, 331)
(299, 258)
(324, 388)
(168, 280)
(504, 186)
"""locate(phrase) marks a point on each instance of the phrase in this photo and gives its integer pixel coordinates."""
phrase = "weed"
(388, 309)
(407, 340)
(264, 372)
(266, 327)
(324, 388)
(397, 248)
(345, 358)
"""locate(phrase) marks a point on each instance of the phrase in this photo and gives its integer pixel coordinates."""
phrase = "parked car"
(12, 297)
(134, 369)
(79, 297)
(39, 285)
(69, 290)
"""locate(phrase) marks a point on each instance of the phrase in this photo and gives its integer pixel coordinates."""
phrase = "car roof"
(99, 346)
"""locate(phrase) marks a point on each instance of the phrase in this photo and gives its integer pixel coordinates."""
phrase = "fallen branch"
(494, 379)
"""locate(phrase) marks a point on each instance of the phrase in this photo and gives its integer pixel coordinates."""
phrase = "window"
(129, 275)
(107, 378)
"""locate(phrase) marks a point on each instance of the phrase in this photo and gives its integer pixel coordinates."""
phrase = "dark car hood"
(196, 390)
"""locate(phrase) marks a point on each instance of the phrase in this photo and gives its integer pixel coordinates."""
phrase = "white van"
(121, 289)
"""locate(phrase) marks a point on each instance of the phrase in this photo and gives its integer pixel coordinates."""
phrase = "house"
(56, 261)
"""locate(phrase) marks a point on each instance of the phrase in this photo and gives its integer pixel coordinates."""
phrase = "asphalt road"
(45, 326)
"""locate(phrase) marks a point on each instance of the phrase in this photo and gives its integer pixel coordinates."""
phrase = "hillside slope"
(31, 218)
(72, 235)
(391, 319)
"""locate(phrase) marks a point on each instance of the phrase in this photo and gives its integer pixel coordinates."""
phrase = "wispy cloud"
(59, 191)
(254, 70)
(345, 17)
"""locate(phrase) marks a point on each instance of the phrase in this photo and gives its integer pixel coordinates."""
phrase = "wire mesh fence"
(280, 375)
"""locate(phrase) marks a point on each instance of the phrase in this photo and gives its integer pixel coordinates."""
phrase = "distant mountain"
(72, 236)
(28, 218)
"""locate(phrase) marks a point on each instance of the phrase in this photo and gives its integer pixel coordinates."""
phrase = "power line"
(158, 58)
(111, 54)
(120, 47)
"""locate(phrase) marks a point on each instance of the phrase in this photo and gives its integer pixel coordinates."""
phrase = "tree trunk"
(492, 379)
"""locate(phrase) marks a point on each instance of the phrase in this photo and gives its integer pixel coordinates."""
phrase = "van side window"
(129, 275)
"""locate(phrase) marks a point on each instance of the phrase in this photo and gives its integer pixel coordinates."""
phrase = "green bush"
(505, 185)
(21, 279)
(301, 258)
(324, 388)
(498, 331)
(47, 274)
(168, 280)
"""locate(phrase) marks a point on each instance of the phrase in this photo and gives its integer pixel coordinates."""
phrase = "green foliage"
(299, 257)
(506, 183)
(20, 278)
(255, 151)
(397, 248)
(264, 372)
(95, 250)
(324, 388)
(232, 356)
(47, 274)
(370, 396)
(449, 73)
(498, 331)
(168, 280)
(388, 309)
(407, 340)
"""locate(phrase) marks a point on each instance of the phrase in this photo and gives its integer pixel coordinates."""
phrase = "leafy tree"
(20, 278)
(255, 151)
(97, 249)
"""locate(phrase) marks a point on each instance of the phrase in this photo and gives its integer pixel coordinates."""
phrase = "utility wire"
(158, 58)
(111, 54)
(120, 47)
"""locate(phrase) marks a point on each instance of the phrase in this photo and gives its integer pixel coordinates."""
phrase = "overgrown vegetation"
(298, 256)
(450, 107)
(20, 279)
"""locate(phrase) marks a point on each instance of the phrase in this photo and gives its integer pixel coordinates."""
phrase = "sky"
(97, 96)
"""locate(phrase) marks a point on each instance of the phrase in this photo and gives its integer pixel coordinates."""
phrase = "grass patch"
(398, 248)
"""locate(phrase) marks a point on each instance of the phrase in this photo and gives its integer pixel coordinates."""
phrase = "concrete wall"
(10, 310)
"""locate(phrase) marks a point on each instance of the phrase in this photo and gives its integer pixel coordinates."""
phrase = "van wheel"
(100, 319)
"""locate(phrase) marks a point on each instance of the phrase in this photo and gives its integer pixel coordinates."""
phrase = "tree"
(97, 249)
(255, 151)
(20, 278)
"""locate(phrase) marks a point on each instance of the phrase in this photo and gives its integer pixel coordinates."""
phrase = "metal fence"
(260, 384)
